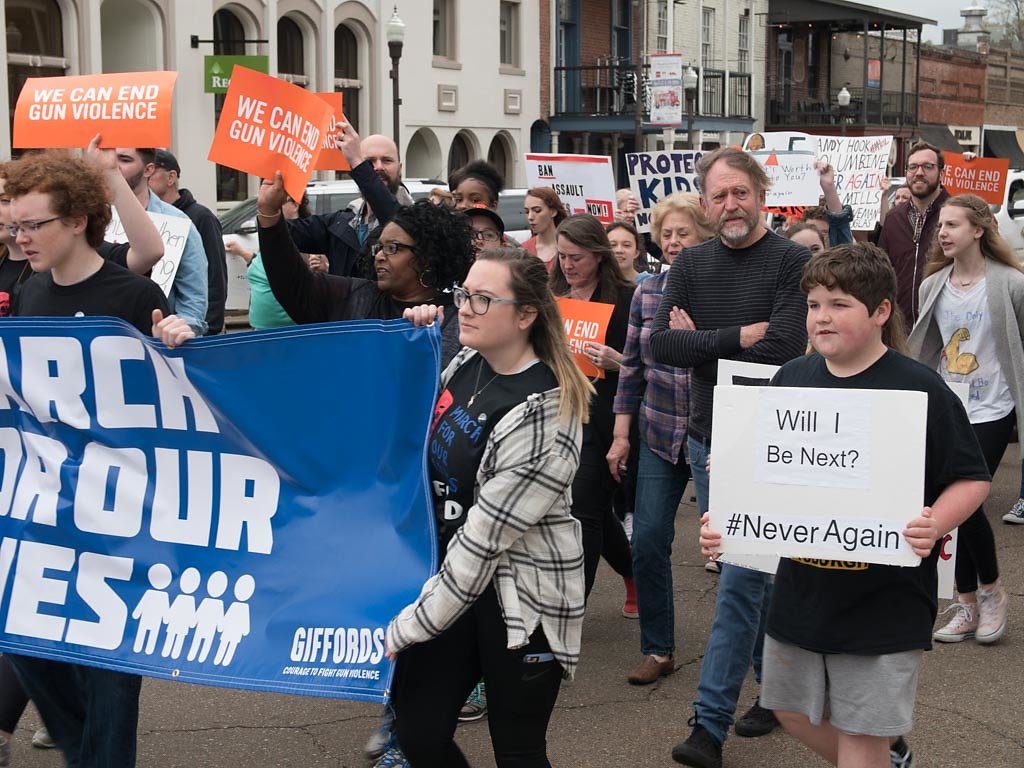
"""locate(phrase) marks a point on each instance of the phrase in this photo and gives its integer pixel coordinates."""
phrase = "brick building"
(952, 97)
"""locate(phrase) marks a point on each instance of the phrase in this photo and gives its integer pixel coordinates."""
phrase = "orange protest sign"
(129, 109)
(585, 321)
(269, 125)
(982, 176)
(331, 158)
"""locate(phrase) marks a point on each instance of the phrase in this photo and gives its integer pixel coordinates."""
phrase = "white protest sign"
(796, 487)
(238, 280)
(666, 88)
(793, 176)
(654, 176)
(173, 231)
(860, 163)
(585, 183)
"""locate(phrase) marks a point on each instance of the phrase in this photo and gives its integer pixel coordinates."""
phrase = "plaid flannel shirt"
(519, 534)
(660, 394)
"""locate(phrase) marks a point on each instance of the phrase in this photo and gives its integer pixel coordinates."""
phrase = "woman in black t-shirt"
(587, 271)
(507, 603)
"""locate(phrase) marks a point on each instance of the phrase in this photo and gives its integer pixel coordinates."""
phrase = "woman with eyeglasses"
(507, 604)
(587, 271)
(420, 253)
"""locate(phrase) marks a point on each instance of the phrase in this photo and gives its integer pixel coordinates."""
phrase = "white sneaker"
(961, 626)
(627, 525)
(992, 610)
(1016, 514)
(41, 739)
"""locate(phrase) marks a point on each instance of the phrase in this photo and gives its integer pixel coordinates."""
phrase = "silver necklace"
(479, 371)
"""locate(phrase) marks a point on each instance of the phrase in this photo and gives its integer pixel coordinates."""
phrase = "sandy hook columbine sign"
(247, 511)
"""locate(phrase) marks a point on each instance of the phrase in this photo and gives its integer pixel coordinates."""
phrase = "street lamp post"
(690, 89)
(395, 34)
(843, 99)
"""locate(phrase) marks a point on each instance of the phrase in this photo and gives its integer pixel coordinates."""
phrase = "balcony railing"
(612, 89)
(786, 106)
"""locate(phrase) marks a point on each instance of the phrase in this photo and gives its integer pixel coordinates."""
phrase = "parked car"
(1010, 215)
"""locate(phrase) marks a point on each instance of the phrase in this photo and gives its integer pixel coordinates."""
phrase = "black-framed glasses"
(488, 235)
(478, 302)
(31, 227)
(926, 167)
(391, 248)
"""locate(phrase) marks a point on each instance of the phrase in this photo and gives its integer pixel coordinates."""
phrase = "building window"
(444, 29)
(291, 52)
(508, 26)
(707, 38)
(661, 43)
(35, 46)
(622, 12)
(743, 55)
(228, 34)
(346, 72)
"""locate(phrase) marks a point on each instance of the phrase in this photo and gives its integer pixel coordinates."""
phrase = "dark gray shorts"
(861, 695)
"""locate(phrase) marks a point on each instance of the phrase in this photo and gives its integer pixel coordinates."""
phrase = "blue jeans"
(92, 713)
(660, 486)
(737, 632)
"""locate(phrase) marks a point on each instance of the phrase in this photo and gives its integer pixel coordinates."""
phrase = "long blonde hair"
(529, 283)
(993, 246)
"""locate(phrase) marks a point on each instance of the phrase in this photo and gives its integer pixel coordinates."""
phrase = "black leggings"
(976, 545)
(13, 698)
(433, 679)
(593, 488)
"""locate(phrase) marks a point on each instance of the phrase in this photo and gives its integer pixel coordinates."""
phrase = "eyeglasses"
(391, 248)
(926, 167)
(486, 234)
(478, 302)
(30, 227)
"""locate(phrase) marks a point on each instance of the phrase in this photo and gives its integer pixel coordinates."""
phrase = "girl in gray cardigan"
(970, 328)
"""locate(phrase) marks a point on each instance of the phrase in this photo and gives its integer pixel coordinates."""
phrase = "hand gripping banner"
(248, 510)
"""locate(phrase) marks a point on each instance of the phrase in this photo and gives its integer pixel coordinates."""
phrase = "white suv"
(1010, 215)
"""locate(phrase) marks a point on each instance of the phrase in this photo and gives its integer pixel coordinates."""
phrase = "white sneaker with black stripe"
(1016, 514)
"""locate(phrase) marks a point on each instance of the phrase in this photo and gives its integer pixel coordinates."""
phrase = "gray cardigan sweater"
(1004, 293)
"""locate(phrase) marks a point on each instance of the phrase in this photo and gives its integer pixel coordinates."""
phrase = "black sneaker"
(900, 755)
(700, 750)
(756, 721)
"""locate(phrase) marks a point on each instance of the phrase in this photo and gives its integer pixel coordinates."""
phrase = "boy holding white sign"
(840, 666)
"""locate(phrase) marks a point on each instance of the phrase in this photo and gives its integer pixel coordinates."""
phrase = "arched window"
(460, 153)
(228, 32)
(35, 44)
(346, 72)
(498, 156)
(291, 52)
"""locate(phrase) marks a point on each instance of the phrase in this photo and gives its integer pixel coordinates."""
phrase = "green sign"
(217, 70)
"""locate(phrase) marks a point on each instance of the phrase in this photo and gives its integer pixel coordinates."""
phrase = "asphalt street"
(968, 709)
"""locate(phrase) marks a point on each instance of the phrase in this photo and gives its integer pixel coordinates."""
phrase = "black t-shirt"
(111, 290)
(831, 606)
(115, 252)
(462, 424)
(13, 275)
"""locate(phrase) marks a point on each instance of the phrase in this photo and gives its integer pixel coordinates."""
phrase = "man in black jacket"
(164, 184)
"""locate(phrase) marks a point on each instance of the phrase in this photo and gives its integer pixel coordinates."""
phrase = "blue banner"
(248, 510)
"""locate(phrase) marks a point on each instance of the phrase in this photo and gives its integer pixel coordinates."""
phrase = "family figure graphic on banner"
(566, 393)
(210, 619)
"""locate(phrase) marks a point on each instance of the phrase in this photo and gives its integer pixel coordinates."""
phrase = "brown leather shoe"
(650, 669)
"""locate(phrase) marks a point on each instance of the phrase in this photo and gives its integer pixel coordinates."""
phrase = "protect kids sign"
(187, 515)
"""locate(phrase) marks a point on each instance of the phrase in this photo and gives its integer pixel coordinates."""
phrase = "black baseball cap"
(482, 210)
(166, 160)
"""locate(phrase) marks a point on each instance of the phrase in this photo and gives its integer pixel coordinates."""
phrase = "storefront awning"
(940, 136)
(1004, 144)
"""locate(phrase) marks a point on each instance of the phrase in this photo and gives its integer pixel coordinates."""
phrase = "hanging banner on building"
(793, 176)
(217, 70)
(584, 183)
(331, 157)
(666, 85)
(981, 176)
(585, 321)
(129, 109)
(268, 125)
(198, 515)
(860, 163)
(827, 473)
(173, 231)
(654, 176)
